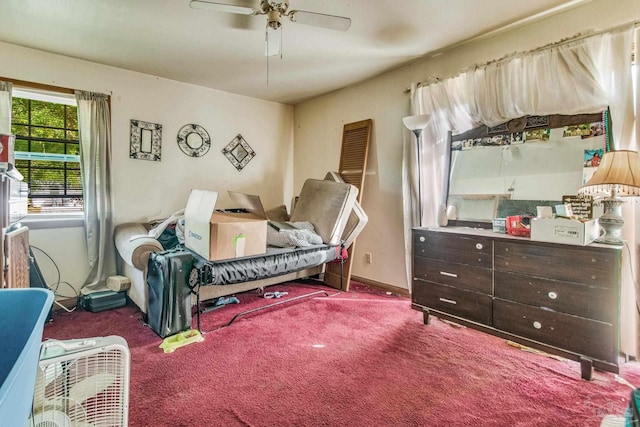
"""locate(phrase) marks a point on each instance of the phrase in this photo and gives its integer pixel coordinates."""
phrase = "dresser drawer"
(591, 338)
(469, 305)
(560, 262)
(565, 297)
(458, 248)
(468, 277)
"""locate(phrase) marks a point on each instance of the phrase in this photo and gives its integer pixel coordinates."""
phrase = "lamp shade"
(618, 172)
(416, 122)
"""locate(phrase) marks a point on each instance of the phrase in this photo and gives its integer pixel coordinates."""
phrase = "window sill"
(41, 222)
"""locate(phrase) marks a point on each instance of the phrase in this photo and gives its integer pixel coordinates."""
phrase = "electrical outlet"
(368, 258)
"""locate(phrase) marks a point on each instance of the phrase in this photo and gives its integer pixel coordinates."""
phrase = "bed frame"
(329, 205)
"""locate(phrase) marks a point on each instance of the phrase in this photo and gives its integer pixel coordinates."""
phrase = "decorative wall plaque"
(193, 140)
(239, 152)
(145, 140)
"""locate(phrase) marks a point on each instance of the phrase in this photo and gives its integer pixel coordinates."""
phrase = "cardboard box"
(221, 235)
(563, 230)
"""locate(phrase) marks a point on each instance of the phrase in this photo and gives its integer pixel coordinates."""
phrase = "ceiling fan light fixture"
(273, 41)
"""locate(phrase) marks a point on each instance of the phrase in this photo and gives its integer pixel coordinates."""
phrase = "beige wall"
(155, 189)
(319, 122)
(145, 189)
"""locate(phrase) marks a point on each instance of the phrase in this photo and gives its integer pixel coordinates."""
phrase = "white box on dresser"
(564, 230)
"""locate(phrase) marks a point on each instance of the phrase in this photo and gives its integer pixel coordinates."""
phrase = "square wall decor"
(145, 140)
(239, 152)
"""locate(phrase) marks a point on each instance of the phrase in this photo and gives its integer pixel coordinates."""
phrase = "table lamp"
(618, 175)
(416, 124)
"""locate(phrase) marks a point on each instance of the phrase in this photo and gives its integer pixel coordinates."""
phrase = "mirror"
(239, 152)
(527, 162)
(194, 140)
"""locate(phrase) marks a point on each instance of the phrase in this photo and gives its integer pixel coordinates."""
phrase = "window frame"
(49, 220)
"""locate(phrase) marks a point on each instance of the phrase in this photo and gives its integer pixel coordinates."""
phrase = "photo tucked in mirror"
(522, 164)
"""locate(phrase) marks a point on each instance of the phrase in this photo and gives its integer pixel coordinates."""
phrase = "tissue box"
(500, 225)
(564, 230)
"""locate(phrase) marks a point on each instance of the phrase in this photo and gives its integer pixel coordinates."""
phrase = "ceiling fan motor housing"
(273, 19)
(267, 6)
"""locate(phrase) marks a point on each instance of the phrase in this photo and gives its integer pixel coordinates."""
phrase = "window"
(47, 151)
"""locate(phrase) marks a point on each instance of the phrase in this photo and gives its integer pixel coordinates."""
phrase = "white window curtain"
(5, 107)
(94, 125)
(583, 75)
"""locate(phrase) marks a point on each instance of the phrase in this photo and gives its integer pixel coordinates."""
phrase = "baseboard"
(382, 286)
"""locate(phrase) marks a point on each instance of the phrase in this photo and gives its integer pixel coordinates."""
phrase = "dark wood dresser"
(561, 299)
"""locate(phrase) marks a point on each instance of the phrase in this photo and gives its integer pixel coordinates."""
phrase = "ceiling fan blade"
(223, 7)
(332, 22)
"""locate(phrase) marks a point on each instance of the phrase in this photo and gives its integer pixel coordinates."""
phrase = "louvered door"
(353, 157)
(353, 163)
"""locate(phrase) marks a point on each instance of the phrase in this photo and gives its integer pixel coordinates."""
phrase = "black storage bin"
(169, 310)
(103, 300)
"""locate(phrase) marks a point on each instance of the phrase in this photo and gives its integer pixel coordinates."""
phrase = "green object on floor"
(169, 344)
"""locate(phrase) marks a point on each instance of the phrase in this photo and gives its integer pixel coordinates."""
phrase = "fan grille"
(89, 387)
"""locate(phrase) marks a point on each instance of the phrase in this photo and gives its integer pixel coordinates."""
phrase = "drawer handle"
(552, 295)
(537, 325)
(444, 273)
(422, 239)
(450, 301)
(479, 246)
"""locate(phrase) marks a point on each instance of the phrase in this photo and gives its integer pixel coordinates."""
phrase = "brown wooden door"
(353, 164)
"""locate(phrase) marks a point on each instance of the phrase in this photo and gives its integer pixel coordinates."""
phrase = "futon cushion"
(327, 206)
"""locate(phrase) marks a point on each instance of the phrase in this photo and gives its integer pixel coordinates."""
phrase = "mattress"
(275, 262)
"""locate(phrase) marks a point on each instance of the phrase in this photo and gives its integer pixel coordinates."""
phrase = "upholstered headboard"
(327, 205)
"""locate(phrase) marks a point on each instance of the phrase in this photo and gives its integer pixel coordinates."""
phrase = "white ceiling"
(169, 39)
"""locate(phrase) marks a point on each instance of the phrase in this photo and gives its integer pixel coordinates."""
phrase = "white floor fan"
(82, 383)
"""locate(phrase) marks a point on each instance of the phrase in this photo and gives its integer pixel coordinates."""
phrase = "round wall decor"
(193, 140)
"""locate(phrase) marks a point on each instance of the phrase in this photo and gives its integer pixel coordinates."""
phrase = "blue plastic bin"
(22, 316)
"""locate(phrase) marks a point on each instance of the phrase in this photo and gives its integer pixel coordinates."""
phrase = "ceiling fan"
(275, 11)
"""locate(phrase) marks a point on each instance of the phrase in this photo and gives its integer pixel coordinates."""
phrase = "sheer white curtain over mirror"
(583, 75)
(94, 124)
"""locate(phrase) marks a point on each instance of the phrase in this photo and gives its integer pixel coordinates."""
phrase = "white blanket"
(303, 235)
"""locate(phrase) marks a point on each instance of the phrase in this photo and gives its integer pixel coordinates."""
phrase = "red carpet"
(361, 358)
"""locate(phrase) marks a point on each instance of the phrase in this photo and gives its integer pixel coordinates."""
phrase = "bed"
(329, 205)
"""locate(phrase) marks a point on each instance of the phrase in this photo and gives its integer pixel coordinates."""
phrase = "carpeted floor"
(361, 358)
